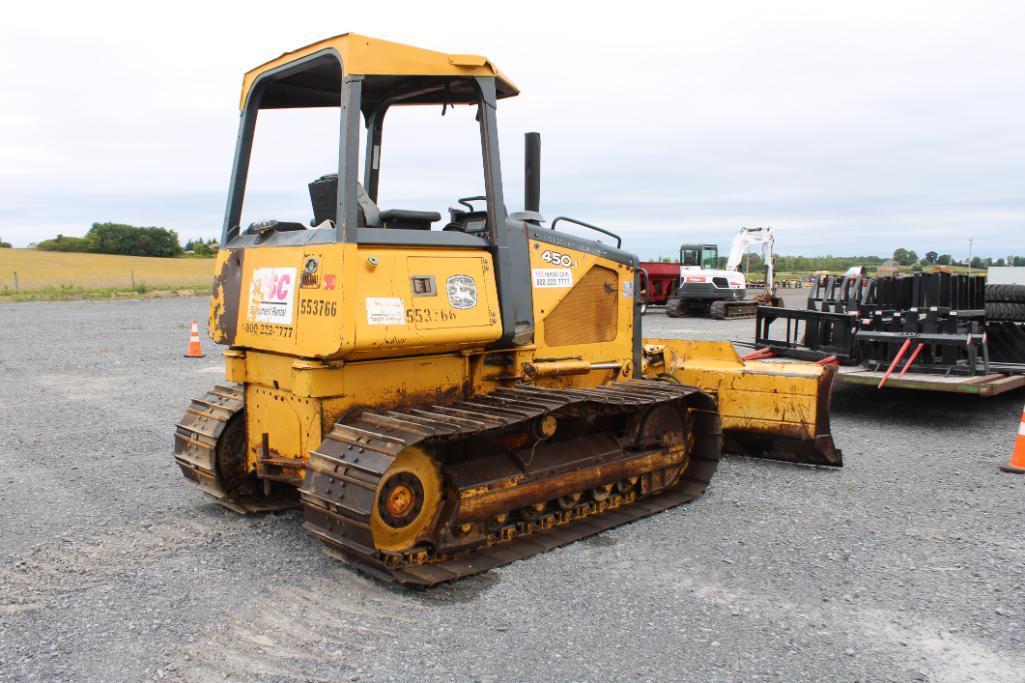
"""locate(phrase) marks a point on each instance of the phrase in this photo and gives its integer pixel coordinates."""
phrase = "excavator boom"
(742, 242)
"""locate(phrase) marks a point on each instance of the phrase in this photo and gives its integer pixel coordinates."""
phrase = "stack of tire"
(1005, 302)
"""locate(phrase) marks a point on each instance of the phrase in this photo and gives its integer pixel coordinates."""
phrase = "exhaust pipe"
(532, 173)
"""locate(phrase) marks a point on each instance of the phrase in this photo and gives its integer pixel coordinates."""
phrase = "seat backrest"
(368, 210)
(324, 195)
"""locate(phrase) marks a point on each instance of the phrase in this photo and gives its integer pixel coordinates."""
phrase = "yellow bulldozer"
(440, 401)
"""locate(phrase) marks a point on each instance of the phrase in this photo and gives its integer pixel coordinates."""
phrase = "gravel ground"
(904, 565)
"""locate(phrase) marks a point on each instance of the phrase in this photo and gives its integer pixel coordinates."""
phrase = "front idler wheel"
(408, 500)
(401, 500)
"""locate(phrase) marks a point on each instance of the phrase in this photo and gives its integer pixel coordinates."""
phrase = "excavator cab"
(702, 256)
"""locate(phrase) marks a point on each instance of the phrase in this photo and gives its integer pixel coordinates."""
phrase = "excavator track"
(348, 476)
(733, 310)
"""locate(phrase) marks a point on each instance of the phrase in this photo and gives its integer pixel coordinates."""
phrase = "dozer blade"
(777, 410)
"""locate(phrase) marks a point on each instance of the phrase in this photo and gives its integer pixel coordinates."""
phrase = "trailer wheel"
(1005, 293)
(1004, 310)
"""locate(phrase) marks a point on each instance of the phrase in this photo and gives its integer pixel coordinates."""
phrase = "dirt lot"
(906, 564)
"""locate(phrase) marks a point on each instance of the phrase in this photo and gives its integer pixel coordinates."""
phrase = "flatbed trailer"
(925, 333)
(992, 384)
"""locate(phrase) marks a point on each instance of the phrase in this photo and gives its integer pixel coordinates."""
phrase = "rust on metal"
(226, 297)
(779, 441)
(556, 368)
(209, 448)
(503, 506)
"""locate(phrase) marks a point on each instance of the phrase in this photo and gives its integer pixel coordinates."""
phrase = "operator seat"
(324, 194)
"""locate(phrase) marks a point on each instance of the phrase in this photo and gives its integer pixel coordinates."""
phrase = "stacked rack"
(933, 323)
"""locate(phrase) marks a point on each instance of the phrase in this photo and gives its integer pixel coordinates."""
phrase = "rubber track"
(340, 488)
(724, 310)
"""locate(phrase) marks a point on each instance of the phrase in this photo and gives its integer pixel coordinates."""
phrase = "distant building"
(888, 268)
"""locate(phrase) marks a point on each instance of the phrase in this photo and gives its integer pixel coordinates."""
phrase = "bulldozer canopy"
(401, 73)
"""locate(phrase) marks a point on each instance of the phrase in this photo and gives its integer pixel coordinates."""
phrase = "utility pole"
(970, 255)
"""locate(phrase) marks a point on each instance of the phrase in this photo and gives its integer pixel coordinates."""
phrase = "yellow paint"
(422, 466)
(779, 399)
(548, 257)
(360, 302)
(321, 331)
(362, 55)
(292, 423)
(429, 322)
(296, 391)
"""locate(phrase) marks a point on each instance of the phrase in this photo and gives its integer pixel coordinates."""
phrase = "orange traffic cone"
(1017, 463)
(195, 350)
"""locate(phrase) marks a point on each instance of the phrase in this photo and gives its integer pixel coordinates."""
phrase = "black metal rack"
(933, 322)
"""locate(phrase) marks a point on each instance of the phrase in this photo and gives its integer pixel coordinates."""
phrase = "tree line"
(201, 247)
(129, 240)
(907, 258)
(117, 238)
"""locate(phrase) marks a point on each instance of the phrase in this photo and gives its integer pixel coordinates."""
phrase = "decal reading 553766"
(272, 296)
(553, 277)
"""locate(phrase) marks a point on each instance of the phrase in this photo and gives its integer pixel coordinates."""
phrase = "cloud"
(851, 129)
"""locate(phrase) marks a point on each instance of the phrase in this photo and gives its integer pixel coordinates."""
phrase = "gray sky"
(851, 129)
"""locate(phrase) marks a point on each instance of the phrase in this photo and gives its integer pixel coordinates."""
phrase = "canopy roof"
(361, 55)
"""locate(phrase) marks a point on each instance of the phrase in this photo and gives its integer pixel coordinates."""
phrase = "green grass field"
(57, 275)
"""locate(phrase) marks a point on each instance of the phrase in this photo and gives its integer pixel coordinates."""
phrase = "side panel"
(583, 307)
(281, 429)
(335, 301)
(423, 300)
(291, 403)
(286, 299)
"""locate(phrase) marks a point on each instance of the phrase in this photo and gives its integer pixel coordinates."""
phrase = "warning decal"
(383, 310)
